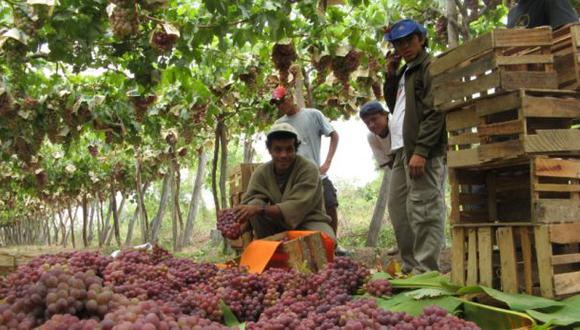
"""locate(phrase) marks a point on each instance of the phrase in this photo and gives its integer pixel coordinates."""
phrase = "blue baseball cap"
(370, 108)
(403, 28)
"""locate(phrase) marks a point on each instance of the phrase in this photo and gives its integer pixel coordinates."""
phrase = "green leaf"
(381, 276)
(388, 304)
(415, 307)
(201, 89)
(521, 302)
(229, 318)
(430, 279)
(488, 317)
(565, 315)
(405, 302)
(429, 293)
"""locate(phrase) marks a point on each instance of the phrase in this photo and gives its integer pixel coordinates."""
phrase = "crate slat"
(499, 61)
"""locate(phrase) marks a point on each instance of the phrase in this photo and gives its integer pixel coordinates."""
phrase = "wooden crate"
(305, 253)
(512, 124)
(537, 189)
(241, 243)
(504, 59)
(566, 51)
(239, 179)
(533, 259)
(558, 256)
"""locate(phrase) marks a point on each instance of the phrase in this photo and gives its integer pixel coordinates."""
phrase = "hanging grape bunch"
(322, 67)
(379, 288)
(343, 66)
(283, 55)
(141, 105)
(6, 102)
(441, 29)
(250, 78)
(198, 112)
(376, 84)
(163, 37)
(228, 224)
(124, 18)
(41, 177)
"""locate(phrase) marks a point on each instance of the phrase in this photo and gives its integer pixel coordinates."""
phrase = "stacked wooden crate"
(514, 160)
(239, 179)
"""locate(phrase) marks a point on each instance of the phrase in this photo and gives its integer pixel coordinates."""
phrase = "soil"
(376, 258)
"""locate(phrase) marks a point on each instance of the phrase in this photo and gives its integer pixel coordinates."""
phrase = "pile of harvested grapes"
(153, 290)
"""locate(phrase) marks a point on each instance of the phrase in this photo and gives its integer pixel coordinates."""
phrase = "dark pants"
(330, 202)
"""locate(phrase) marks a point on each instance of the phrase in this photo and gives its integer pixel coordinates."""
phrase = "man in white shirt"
(311, 124)
(377, 119)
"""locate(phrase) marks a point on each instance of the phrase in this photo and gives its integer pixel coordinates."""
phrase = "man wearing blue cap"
(418, 145)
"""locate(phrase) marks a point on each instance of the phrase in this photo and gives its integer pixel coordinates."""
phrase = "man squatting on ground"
(311, 124)
(418, 145)
(286, 192)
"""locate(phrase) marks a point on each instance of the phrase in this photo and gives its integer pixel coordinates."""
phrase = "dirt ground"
(375, 258)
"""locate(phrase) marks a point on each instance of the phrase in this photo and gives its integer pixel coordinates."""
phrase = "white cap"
(283, 127)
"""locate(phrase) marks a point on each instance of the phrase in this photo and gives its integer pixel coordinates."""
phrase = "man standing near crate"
(534, 13)
(418, 145)
(286, 192)
(311, 124)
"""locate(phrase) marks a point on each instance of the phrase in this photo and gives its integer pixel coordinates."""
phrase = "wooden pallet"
(566, 51)
(504, 59)
(538, 189)
(533, 259)
(512, 124)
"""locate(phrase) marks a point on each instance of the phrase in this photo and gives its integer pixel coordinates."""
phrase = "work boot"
(393, 251)
(340, 251)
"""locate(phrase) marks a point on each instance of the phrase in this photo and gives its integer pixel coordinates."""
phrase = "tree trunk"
(100, 221)
(141, 200)
(111, 229)
(105, 224)
(47, 229)
(92, 222)
(216, 149)
(176, 206)
(72, 224)
(55, 228)
(298, 86)
(249, 150)
(156, 224)
(131, 225)
(195, 197)
(379, 212)
(452, 33)
(116, 217)
(85, 221)
(309, 97)
(174, 232)
(63, 229)
(129, 238)
(224, 166)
